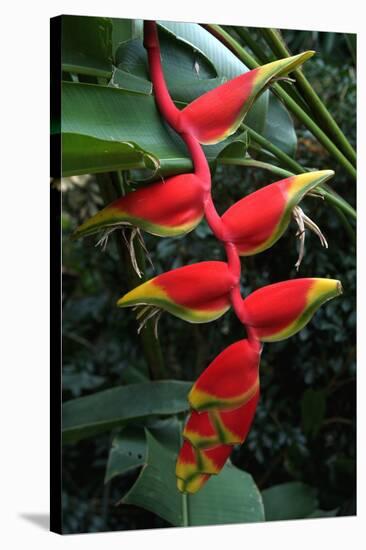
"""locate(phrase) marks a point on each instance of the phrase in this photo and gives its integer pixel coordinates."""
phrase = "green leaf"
(129, 447)
(179, 58)
(87, 45)
(235, 150)
(230, 497)
(128, 451)
(293, 500)
(313, 406)
(279, 128)
(124, 30)
(130, 82)
(105, 128)
(188, 72)
(87, 416)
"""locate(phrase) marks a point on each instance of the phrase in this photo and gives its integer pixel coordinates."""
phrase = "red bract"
(224, 400)
(257, 221)
(197, 293)
(278, 311)
(218, 113)
(167, 208)
(237, 369)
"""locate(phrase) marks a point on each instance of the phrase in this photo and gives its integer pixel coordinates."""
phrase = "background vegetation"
(304, 430)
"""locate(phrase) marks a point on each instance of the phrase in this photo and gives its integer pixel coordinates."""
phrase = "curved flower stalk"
(224, 401)
(167, 209)
(224, 398)
(257, 221)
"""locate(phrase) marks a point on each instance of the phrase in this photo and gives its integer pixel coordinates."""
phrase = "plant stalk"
(185, 516)
(253, 44)
(256, 164)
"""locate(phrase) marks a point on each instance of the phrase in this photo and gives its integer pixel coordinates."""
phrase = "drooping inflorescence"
(224, 398)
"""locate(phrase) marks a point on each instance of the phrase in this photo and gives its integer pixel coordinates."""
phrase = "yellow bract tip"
(281, 67)
(142, 294)
(302, 183)
(327, 288)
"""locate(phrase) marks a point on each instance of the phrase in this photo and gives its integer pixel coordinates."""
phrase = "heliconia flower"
(258, 220)
(224, 400)
(197, 293)
(166, 208)
(277, 311)
(218, 113)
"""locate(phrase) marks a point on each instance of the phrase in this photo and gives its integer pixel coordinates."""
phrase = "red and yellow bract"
(224, 400)
(167, 208)
(218, 113)
(257, 221)
(197, 293)
(277, 311)
(237, 369)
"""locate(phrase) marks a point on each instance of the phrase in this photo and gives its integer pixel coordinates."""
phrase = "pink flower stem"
(171, 114)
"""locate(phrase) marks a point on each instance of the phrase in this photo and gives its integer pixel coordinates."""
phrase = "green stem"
(185, 516)
(276, 151)
(244, 56)
(348, 227)
(278, 46)
(337, 202)
(256, 164)
(185, 513)
(254, 45)
(111, 187)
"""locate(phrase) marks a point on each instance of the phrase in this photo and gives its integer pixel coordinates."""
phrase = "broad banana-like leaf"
(87, 416)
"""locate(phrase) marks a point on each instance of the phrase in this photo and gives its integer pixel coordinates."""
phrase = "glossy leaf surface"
(87, 416)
